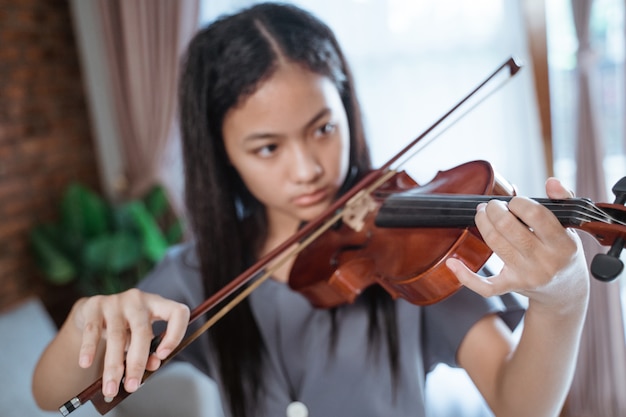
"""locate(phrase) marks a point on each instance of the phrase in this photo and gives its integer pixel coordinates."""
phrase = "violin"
(374, 234)
(402, 242)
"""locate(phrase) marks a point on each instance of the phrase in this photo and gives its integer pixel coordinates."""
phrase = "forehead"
(288, 98)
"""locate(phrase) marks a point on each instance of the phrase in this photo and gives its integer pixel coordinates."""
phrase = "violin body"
(406, 262)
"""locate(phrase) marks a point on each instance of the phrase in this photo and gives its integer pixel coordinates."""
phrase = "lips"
(310, 199)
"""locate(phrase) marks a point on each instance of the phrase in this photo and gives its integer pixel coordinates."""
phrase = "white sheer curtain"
(600, 376)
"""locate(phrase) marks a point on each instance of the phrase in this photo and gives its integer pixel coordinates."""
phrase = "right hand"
(124, 322)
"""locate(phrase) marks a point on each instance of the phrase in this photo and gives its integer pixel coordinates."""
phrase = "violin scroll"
(607, 266)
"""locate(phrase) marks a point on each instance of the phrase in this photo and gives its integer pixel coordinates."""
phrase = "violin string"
(579, 215)
(574, 209)
(602, 213)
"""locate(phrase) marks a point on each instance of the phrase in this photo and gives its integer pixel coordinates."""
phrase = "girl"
(271, 135)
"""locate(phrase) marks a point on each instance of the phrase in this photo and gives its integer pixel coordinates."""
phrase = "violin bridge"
(356, 210)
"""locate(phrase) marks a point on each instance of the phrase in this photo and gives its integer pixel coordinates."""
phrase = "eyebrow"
(267, 135)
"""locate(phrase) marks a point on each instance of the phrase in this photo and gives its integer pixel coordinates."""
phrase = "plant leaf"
(55, 266)
(112, 253)
(83, 212)
(157, 201)
(154, 244)
(174, 233)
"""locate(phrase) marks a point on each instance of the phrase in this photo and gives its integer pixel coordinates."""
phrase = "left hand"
(542, 260)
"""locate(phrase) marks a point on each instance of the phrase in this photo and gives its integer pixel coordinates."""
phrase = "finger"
(177, 317)
(153, 363)
(538, 246)
(486, 287)
(117, 339)
(504, 233)
(556, 190)
(91, 333)
(140, 325)
(545, 226)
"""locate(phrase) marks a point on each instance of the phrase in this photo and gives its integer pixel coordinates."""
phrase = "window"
(607, 37)
(414, 60)
(607, 33)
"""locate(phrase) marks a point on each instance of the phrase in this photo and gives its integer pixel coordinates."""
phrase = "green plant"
(103, 247)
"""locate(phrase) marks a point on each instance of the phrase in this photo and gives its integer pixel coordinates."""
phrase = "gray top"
(353, 380)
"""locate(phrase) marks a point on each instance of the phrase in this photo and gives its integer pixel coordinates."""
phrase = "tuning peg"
(606, 267)
(619, 189)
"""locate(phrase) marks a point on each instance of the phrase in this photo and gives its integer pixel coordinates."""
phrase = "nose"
(305, 164)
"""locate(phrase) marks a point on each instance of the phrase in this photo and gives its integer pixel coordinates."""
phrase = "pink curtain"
(600, 379)
(144, 40)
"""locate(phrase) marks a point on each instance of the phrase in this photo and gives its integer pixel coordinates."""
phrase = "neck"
(279, 232)
(412, 209)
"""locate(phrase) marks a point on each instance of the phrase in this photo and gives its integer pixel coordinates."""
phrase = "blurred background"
(91, 176)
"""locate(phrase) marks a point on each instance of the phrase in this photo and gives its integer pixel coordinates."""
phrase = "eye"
(326, 129)
(266, 151)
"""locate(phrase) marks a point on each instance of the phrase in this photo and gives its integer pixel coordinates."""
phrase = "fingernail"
(132, 384)
(163, 353)
(110, 388)
(83, 361)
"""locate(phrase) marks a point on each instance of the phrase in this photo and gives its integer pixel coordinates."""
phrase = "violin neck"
(411, 209)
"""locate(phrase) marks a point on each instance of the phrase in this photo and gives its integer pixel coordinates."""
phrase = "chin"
(311, 213)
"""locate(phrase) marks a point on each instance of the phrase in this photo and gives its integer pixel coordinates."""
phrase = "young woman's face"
(289, 142)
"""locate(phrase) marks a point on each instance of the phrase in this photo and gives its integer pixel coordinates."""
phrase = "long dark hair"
(225, 63)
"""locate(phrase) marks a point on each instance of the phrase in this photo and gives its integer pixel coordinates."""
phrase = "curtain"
(143, 42)
(535, 25)
(600, 378)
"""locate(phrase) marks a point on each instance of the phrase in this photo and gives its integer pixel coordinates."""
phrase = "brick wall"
(45, 139)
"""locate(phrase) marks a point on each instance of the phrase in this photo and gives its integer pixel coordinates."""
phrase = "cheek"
(342, 158)
(261, 183)
(335, 163)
